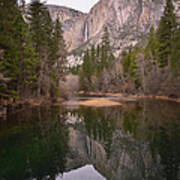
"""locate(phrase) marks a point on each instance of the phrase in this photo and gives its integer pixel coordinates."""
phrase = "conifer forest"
(90, 90)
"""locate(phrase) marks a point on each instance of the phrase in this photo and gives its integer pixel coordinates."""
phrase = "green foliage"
(163, 45)
(162, 48)
(38, 18)
(31, 150)
(18, 56)
(131, 66)
(134, 68)
(175, 61)
(96, 60)
(131, 122)
(74, 70)
(151, 50)
(126, 61)
(29, 53)
(49, 45)
(87, 65)
(165, 34)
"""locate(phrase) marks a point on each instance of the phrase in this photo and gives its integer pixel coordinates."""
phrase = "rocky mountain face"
(129, 158)
(128, 21)
(69, 19)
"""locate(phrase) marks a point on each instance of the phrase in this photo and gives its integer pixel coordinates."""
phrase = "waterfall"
(86, 30)
(89, 146)
(140, 2)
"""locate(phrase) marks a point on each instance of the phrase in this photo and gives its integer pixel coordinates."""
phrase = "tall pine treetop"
(165, 33)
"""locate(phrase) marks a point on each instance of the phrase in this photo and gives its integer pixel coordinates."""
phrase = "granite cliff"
(128, 21)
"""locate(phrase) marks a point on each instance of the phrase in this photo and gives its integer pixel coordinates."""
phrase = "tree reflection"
(99, 124)
(140, 139)
(38, 149)
(159, 125)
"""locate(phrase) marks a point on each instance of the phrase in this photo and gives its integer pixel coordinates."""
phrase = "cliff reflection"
(140, 140)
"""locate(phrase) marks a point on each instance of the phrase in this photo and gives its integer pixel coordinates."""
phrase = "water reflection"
(86, 172)
(159, 124)
(140, 141)
(137, 141)
(35, 149)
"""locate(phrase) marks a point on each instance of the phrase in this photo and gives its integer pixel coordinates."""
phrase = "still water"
(138, 141)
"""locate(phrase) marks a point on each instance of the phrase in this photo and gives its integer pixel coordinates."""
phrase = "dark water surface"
(138, 141)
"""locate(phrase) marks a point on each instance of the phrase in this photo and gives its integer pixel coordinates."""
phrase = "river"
(137, 141)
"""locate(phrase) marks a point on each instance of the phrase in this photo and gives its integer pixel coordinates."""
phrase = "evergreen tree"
(87, 65)
(41, 29)
(134, 68)
(175, 60)
(32, 55)
(28, 77)
(9, 11)
(106, 41)
(96, 61)
(93, 60)
(126, 62)
(151, 50)
(16, 46)
(98, 51)
(49, 44)
(60, 47)
(131, 66)
(85, 72)
(57, 57)
(106, 49)
(165, 34)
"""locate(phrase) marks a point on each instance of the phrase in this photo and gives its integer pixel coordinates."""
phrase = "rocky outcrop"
(66, 15)
(127, 22)
(72, 21)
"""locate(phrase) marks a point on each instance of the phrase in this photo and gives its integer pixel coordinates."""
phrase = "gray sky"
(82, 5)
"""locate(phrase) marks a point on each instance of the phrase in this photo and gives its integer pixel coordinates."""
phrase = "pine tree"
(93, 60)
(12, 42)
(32, 55)
(9, 11)
(126, 62)
(106, 49)
(105, 40)
(151, 50)
(97, 61)
(175, 60)
(57, 57)
(85, 72)
(87, 65)
(28, 77)
(134, 68)
(60, 47)
(98, 51)
(165, 34)
(41, 29)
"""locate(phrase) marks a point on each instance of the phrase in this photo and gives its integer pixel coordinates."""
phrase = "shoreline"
(60, 100)
(31, 102)
(19, 104)
(23, 103)
(137, 96)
